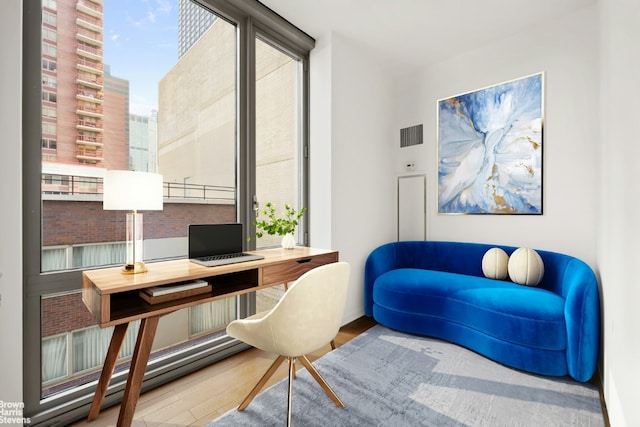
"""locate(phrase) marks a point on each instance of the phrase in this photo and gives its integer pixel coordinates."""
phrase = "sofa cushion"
(526, 316)
(526, 267)
(494, 264)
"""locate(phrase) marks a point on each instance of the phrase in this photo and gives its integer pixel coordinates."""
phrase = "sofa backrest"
(452, 257)
(466, 258)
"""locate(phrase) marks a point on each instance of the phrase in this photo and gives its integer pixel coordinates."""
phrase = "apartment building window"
(49, 65)
(49, 34)
(49, 143)
(48, 111)
(50, 4)
(49, 18)
(49, 81)
(197, 120)
(49, 128)
(49, 50)
(49, 97)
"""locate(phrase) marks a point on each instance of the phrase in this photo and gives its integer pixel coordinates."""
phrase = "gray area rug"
(388, 378)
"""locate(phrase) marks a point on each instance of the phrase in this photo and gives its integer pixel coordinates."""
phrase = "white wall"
(619, 222)
(11, 195)
(320, 144)
(564, 50)
(351, 131)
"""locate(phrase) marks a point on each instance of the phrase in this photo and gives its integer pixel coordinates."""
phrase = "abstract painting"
(490, 149)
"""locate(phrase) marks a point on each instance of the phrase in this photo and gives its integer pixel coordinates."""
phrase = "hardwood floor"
(202, 396)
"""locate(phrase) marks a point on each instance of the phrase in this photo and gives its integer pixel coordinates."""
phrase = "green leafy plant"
(274, 225)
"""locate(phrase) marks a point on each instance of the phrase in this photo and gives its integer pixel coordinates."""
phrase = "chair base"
(274, 367)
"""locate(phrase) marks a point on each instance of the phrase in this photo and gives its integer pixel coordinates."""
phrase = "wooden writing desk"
(113, 299)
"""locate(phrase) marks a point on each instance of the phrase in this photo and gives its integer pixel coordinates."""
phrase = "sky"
(141, 45)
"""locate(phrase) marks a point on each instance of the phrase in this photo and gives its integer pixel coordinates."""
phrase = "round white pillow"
(495, 263)
(526, 267)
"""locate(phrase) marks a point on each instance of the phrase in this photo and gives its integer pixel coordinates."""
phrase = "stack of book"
(159, 294)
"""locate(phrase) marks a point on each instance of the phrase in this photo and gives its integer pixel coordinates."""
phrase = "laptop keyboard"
(223, 256)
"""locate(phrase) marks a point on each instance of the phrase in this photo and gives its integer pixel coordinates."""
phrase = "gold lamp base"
(138, 267)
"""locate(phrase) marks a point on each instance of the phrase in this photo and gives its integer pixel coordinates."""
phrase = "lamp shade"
(132, 190)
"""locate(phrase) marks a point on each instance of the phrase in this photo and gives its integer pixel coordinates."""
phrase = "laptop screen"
(214, 239)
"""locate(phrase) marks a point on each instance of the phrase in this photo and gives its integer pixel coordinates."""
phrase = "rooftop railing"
(64, 185)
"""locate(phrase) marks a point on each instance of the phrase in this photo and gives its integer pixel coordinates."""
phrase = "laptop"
(217, 244)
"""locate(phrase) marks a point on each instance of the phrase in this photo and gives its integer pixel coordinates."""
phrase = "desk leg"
(110, 360)
(139, 361)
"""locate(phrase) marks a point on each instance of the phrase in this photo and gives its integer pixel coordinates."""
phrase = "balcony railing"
(89, 36)
(198, 191)
(89, 140)
(89, 8)
(95, 6)
(90, 111)
(90, 80)
(89, 96)
(89, 51)
(76, 185)
(93, 78)
(93, 126)
(90, 155)
(92, 65)
(90, 22)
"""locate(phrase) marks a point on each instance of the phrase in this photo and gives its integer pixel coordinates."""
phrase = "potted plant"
(284, 225)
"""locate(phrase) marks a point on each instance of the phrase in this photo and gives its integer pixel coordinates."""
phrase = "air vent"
(411, 136)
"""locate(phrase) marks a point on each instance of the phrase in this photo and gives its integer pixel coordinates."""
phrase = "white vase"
(288, 241)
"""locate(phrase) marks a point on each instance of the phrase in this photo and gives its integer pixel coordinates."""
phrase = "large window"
(209, 94)
(279, 79)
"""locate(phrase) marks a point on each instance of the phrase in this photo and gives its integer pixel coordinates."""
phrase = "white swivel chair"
(307, 317)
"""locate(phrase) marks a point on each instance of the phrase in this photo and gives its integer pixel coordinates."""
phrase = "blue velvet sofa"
(438, 289)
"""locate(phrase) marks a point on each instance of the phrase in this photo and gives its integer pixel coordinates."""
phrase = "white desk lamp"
(133, 191)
